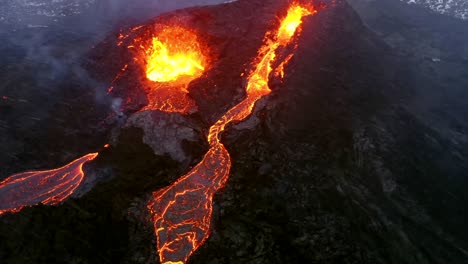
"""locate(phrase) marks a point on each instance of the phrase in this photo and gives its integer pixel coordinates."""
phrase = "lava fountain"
(174, 53)
(182, 211)
(170, 56)
(50, 187)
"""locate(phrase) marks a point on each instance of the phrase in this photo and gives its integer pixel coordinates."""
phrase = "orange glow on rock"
(50, 187)
(182, 211)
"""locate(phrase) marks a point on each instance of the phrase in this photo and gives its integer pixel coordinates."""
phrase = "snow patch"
(456, 8)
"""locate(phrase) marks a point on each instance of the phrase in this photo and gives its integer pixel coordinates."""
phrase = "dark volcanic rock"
(334, 166)
(165, 133)
(353, 175)
(48, 104)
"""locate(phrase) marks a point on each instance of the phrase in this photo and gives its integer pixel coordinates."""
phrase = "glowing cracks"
(47, 187)
(182, 211)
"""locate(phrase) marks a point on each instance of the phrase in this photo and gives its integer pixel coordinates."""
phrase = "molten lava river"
(171, 59)
(47, 187)
(182, 211)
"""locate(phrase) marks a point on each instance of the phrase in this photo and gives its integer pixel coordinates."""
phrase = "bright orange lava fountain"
(175, 53)
(47, 187)
(171, 60)
(182, 211)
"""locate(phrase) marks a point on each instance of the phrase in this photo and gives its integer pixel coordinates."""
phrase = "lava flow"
(170, 58)
(182, 211)
(47, 187)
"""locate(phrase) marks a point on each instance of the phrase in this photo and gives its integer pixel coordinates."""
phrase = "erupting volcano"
(182, 211)
(50, 187)
(247, 131)
(170, 56)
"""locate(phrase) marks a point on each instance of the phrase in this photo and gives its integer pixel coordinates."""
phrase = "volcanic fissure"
(182, 211)
(171, 59)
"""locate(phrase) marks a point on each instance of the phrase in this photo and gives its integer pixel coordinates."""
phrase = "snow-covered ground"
(30, 11)
(456, 8)
(14, 11)
(40, 13)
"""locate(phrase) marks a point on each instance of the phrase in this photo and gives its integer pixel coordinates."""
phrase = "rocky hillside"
(343, 163)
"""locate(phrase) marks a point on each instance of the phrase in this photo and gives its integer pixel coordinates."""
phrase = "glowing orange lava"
(175, 53)
(171, 57)
(47, 187)
(182, 211)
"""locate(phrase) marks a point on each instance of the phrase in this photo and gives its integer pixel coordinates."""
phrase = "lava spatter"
(170, 56)
(174, 54)
(49, 187)
(182, 211)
